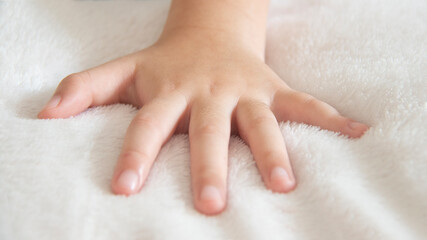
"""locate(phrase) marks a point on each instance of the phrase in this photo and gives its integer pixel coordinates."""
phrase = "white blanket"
(366, 58)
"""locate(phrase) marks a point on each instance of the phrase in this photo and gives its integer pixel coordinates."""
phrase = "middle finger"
(209, 134)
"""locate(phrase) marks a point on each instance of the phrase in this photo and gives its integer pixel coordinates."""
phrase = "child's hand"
(209, 84)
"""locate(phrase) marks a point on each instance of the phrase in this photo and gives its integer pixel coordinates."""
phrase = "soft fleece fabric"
(366, 58)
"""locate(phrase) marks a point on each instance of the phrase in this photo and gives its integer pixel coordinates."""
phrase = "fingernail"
(128, 180)
(355, 125)
(211, 194)
(53, 102)
(280, 179)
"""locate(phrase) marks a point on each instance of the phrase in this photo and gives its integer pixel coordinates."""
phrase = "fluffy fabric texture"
(366, 58)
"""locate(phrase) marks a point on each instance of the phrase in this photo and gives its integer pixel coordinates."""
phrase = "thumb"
(93, 87)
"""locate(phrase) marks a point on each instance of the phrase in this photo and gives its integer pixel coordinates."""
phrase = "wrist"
(239, 22)
(203, 37)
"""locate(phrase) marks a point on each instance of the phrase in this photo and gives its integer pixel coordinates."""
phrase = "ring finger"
(259, 128)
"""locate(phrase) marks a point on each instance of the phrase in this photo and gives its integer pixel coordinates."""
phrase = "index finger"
(154, 124)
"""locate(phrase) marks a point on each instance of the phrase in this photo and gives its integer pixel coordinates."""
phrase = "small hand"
(206, 86)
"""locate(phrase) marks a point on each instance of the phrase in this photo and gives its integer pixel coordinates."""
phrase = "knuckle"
(134, 156)
(217, 88)
(210, 130)
(245, 103)
(149, 122)
(208, 173)
(313, 103)
(273, 155)
(146, 120)
(76, 79)
(71, 79)
(309, 100)
(166, 88)
(214, 89)
(260, 120)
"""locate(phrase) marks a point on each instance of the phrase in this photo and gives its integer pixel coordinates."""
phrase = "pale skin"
(205, 76)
